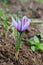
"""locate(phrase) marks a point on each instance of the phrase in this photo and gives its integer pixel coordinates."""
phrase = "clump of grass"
(5, 22)
(5, 1)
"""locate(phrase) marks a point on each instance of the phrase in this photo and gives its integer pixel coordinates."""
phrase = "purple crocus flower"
(21, 26)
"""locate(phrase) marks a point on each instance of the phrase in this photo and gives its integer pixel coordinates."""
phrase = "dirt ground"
(31, 9)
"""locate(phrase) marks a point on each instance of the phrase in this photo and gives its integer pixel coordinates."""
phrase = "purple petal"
(26, 25)
(14, 23)
(23, 20)
(19, 25)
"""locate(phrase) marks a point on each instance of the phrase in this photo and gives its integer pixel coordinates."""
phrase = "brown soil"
(7, 46)
(31, 8)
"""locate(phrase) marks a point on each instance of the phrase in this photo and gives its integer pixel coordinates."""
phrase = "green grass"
(40, 1)
(23, 1)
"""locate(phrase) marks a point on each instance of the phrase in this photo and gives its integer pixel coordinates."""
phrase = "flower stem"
(18, 45)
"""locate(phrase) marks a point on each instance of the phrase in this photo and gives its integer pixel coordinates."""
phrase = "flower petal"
(14, 23)
(26, 25)
(24, 20)
(19, 25)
